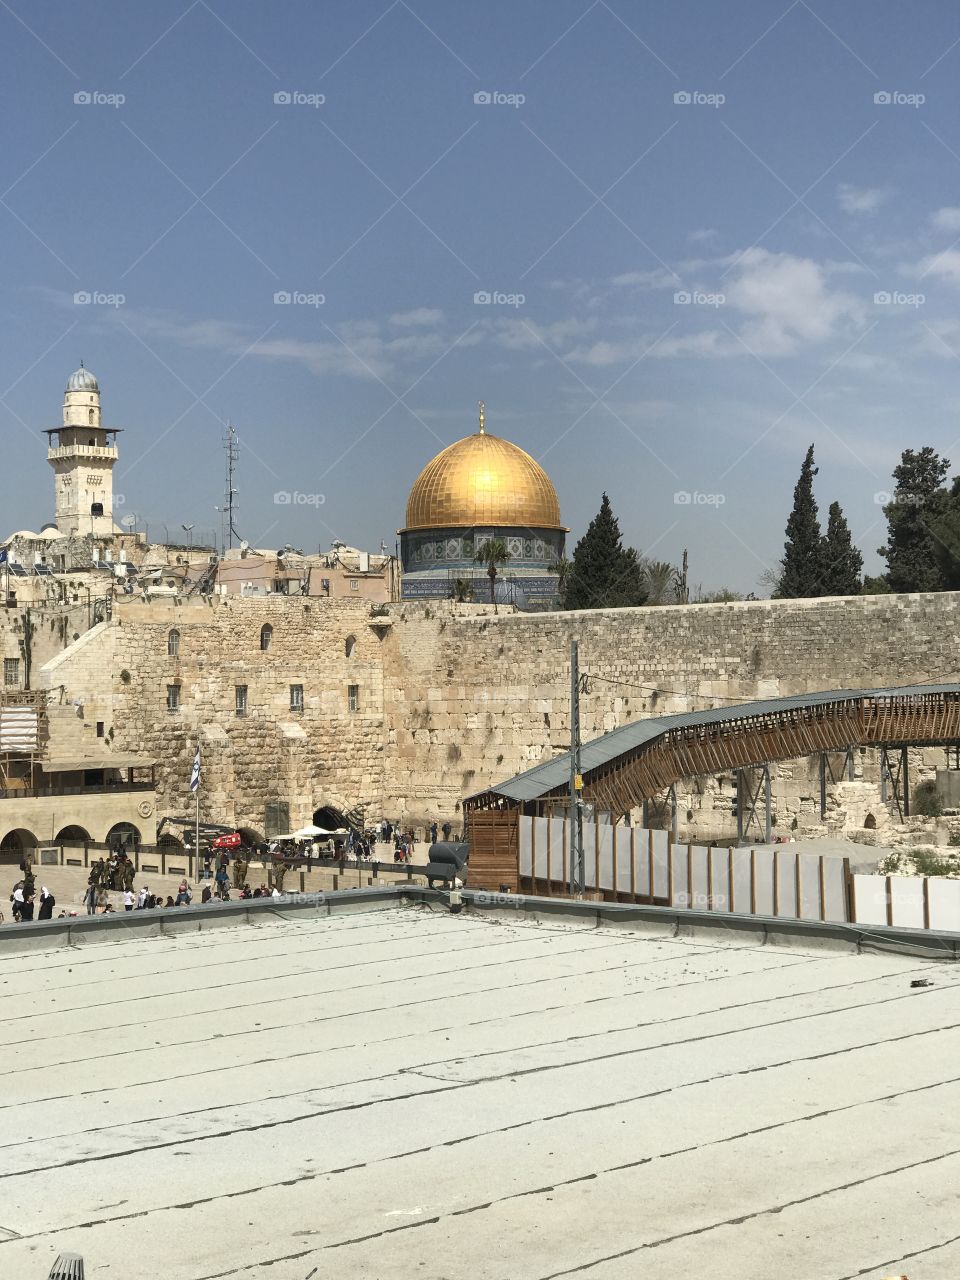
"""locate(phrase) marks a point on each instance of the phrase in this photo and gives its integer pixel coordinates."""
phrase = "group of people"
(115, 872)
(24, 905)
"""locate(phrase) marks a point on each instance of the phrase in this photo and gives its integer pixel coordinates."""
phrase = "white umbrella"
(309, 830)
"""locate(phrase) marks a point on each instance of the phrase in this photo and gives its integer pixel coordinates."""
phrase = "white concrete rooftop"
(400, 1092)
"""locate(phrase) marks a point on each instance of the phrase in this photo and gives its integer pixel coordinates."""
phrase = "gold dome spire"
(483, 481)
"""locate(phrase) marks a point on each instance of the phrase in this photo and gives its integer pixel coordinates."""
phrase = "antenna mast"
(231, 446)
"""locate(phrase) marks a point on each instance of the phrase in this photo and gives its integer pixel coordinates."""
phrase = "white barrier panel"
(526, 846)
(871, 896)
(624, 840)
(944, 908)
(604, 854)
(834, 890)
(559, 871)
(540, 848)
(906, 893)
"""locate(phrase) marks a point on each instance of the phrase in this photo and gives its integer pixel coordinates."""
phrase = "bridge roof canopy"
(554, 775)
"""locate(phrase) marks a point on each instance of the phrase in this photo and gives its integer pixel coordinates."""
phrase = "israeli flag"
(195, 775)
(3, 556)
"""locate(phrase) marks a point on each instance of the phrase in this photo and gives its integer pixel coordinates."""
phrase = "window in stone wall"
(11, 671)
(266, 636)
(296, 697)
(99, 728)
(173, 697)
(354, 584)
(173, 644)
(349, 645)
(240, 695)
(353, 697)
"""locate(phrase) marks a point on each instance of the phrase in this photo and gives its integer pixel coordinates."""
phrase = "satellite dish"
(244, 547)
(129, 521)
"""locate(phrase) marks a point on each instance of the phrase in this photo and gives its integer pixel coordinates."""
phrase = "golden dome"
(483, 482)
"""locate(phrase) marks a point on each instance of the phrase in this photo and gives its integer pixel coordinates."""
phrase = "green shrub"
(929, 863)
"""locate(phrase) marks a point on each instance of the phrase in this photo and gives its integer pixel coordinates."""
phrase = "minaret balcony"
(105, 452)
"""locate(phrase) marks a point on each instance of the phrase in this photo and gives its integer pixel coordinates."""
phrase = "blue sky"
(782, 199)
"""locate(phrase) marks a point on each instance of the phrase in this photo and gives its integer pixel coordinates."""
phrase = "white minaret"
(82, 456)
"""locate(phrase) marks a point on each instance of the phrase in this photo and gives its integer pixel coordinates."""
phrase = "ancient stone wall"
(324, 755)
(452, 698)
(473, 699)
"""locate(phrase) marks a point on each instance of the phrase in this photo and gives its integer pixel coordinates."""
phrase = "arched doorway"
(72, 835)
(330, 819)
(13, 844)
(124, 835)
(169, 841)
(250, 837)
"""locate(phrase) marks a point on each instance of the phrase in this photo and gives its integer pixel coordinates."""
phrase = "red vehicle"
(232, 841)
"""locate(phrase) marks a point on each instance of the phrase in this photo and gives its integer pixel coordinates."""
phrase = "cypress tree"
(603, 573)
(842, 563)
(801, 567)
(918, 504)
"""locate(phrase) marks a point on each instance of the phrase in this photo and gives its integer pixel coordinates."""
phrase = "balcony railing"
(39, 793)
(83, 451)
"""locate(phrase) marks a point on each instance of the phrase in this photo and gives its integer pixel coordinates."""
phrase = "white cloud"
(860, 199)
(421, 317)
(942, 266)
(703, 235)
(788, 302)
(946, 219)
(658, 278)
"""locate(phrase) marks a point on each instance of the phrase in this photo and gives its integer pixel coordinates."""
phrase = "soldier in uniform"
(128, 874)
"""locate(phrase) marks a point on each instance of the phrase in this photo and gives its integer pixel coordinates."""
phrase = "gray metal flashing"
(676, 922)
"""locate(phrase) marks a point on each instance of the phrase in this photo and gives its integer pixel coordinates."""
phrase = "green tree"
(916, 507)
(801, 567)
(492, 553)
(842, 563)
(876, 586)
(604, 573)
(946, 540)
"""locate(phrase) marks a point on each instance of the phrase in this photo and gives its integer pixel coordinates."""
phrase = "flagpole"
(197, 829)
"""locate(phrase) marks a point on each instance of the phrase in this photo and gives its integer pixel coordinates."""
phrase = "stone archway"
(250, 837)
(124, 834)
(14, 843)
(330, 818)
(72, 834)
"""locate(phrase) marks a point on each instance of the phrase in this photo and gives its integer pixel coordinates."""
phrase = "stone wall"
(453, 697)
(326, 755)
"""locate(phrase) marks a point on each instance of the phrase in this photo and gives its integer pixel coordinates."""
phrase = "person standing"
(128, 899)
(16, 899)
(446, 830)
(90, 899)
(26, 914)
(433, 833)
(47, 903)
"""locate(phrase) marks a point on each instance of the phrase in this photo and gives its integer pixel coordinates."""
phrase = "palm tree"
(492, 553)
(561, 567)
(661, 578)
